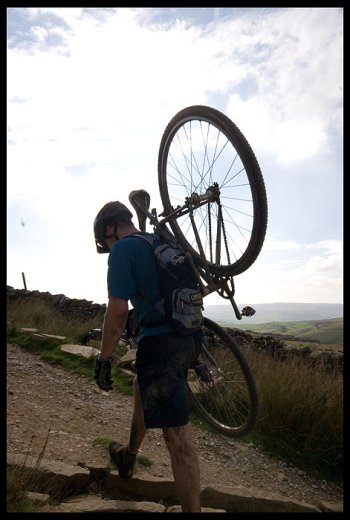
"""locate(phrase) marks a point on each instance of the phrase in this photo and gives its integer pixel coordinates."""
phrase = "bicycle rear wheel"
(202, 148)
(222, 387)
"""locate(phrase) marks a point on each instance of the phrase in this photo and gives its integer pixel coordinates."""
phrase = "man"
(162, 358)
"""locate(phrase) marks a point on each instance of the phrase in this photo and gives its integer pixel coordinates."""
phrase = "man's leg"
(138, 429)
(185, 465)
(124, 457)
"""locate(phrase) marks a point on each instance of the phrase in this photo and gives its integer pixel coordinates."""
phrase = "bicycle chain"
(210, 234)
(224, 234)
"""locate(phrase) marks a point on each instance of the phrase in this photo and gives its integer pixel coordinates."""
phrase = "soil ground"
(45, 401)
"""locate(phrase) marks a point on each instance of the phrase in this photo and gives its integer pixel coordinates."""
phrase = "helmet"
(110, 214)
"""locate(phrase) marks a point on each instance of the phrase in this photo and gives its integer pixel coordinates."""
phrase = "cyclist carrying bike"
(162, 359)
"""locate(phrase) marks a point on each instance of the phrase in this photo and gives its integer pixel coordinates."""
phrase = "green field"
(328, 332)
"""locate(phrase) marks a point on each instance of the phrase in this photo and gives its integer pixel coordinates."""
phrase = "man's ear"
(110, 231)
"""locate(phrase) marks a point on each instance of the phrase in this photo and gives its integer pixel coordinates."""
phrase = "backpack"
(181, 301)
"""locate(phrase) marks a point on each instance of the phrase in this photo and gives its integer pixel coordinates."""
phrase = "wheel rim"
(198, 155)
(221, 392)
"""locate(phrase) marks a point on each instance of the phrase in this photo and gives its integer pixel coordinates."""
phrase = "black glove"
(103, 372)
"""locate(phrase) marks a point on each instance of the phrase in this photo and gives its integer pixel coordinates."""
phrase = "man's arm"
(114, 324)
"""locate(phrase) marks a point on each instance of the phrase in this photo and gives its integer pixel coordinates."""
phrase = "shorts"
(162, 364)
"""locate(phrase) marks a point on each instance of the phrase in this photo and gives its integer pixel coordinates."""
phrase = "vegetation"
(47, 319)
(141, 460)
(301, 407)
(329, 332)
(301, 414)
(20, 481)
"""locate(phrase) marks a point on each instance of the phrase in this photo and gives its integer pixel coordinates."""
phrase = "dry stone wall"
(82, 310)
(273, 345)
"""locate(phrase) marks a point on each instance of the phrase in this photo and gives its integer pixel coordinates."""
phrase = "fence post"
(24, 281)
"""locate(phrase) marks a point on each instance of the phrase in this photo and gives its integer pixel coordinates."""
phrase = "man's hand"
(103, 371)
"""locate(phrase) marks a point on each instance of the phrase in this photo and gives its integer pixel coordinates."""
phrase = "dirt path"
(45, 400)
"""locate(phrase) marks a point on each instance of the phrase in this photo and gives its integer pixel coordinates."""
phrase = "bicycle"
(215, 206)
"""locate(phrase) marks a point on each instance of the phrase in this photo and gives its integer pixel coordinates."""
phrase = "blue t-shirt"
(132, 273)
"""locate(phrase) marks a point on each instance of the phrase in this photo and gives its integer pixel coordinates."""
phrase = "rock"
(80, 350)
(251, 501)
(144, 494)
(95, 504)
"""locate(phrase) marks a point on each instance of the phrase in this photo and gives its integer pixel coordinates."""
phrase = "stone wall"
(273, 345)
(82, 310)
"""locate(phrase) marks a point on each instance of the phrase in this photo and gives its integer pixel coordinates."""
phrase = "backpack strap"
(151, 243)
(146, 237)
(154, 303)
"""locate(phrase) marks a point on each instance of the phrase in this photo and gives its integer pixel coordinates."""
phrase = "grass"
(18, 499)
(301, 408)
(20, 481)
(144, 461)
(46, 318)
(328, 333)
(141, 460)
(301, 414)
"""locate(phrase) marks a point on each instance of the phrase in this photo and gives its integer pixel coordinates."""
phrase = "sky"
(90, 92)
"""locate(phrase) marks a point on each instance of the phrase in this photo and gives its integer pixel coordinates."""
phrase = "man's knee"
(178, 437)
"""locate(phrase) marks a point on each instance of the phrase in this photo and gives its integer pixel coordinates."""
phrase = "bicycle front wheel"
(201, 148)
(221, 386)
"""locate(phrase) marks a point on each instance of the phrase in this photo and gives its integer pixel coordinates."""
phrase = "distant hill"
(329, 331)
(267, 312)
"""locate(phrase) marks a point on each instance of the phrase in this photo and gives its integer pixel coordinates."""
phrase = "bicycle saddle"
(140, 199)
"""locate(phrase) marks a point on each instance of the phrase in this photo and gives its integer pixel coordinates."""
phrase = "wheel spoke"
(201, 149)
(221, 385)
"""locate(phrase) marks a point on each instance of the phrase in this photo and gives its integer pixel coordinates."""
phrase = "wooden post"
(24, 281)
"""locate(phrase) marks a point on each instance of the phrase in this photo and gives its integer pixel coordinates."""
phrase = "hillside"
(65, 412)
(275, 312)
(320, 331)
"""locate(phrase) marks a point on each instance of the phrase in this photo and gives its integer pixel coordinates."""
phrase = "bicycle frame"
(140, 200)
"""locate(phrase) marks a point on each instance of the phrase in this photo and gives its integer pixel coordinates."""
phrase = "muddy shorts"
(162, 364)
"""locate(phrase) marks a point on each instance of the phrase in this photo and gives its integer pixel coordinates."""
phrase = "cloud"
(280, 245)
(90, 92)
(298, 104)
(290, 272)
(290, 113)
(330, 246)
